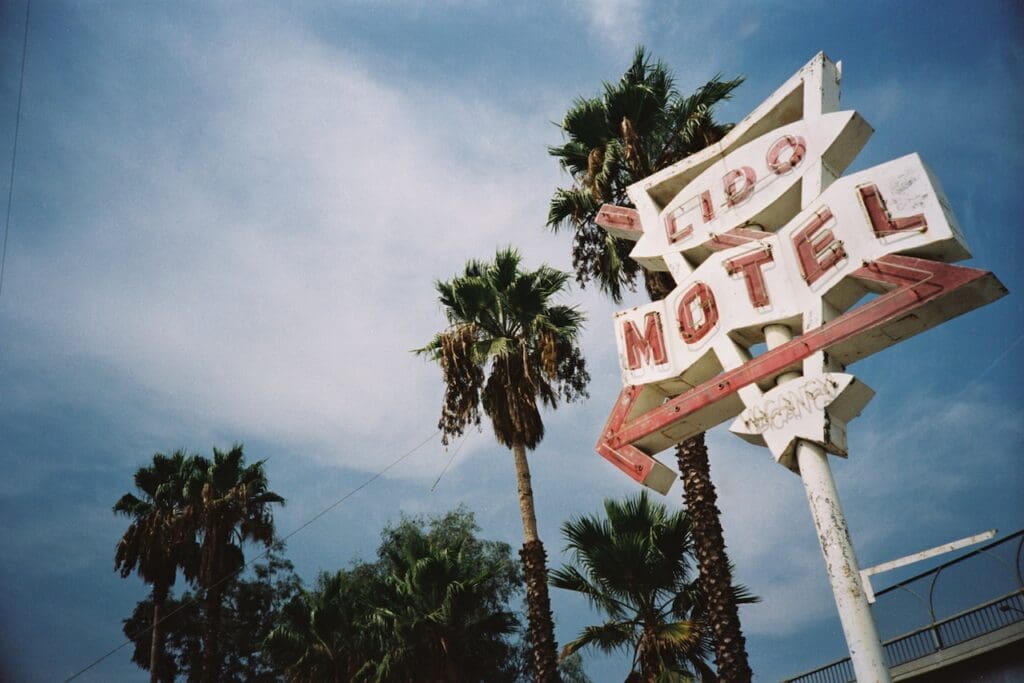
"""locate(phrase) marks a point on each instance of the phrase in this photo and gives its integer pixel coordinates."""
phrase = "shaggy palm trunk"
(658, 284)
(648, 656)
(709, 546)
(700, 500)
(156, 642)
(535, 571)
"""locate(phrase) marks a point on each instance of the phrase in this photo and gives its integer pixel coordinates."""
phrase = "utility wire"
(977, 378)
(357, 489)
(14, 152)
(302, 526)
(449, 463)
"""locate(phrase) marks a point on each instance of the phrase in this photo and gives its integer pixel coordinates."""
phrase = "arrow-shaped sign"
(923, 294)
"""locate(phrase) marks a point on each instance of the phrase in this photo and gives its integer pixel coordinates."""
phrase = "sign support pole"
(859, 628)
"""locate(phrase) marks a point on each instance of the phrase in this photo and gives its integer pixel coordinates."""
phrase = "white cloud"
(267, 274)
(619, 24)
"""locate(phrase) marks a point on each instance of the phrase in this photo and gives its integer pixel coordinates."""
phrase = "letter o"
(691, 330)
(798, 150)
(735, 194)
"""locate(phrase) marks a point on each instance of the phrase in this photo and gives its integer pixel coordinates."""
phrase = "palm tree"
(639, 126)
(227, 504)
(636, 127)
(321, 635)
(506, 347)
(438, 616)
(153, 544)
(636, 569)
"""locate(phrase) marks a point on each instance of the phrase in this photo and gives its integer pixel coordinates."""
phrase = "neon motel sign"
(760, 229)
(770, 247)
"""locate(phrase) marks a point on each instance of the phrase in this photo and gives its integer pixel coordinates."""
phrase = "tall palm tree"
(636, 127)
(153, 543)
(508, 347)
(227, 504)
(636, 569)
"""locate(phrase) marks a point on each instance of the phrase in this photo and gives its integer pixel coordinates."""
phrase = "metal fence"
(965, 598)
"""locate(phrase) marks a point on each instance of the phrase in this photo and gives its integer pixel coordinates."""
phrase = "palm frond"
(607, 638)
(586, 121)
(570, 578)
(571, 207)
(678, 636)
(573, 157)
(633, 563)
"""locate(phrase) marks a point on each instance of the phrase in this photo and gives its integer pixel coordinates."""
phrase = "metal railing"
(942, 633)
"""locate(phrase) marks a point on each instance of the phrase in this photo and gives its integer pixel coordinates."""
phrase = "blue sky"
(227, 220)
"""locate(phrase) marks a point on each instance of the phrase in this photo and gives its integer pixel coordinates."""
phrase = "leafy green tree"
(434, 606)
(507, 348)
(636, 127)
(456, 527)
(252, 608)
(322, 634)
(181, 657)
(633, 564)
(571, 669)
(441, 612)
(228, 504)
(153, 545)
(253, 605)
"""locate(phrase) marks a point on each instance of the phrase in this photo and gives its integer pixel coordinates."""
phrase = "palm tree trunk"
(525, 488)
(211, 608)
(658, 284)
(701, 500)
(535, 571)
(156, 643)
(451, 669)
(648, 656)
(211, 653)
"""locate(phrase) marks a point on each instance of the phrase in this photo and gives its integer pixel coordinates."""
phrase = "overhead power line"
(14, 152)
(449, 463)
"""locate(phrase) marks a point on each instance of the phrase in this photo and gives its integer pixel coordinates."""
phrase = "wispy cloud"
(269, 271)
(619, 24)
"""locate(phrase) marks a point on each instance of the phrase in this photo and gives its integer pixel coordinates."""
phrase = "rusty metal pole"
(859, 628)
